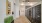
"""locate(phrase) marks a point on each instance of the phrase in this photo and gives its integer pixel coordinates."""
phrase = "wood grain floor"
(22, 19)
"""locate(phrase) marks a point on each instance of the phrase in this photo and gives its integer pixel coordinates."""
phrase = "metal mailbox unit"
(34, 14)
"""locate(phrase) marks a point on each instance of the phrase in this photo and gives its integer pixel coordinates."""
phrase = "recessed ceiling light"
(28, 2)
(31, 4)
(22, 4)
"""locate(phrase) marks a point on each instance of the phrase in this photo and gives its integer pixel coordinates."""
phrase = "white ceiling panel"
(31, 0)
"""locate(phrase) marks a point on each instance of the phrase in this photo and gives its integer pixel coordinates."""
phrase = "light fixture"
(22, 4)
(28, 2)
(31, 4)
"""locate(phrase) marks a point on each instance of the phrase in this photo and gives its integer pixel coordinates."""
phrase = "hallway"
(22, 19)
(20, 11)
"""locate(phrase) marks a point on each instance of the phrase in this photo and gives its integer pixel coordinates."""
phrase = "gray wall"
(2, 10)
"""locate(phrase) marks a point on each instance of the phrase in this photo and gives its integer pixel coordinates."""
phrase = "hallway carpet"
(22, 19)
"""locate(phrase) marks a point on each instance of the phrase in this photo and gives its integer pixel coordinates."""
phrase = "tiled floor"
(22, 19)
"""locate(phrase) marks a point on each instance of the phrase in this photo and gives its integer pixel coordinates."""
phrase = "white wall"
(22, 10)
(12, 7)
(2, 10)
(16, 9)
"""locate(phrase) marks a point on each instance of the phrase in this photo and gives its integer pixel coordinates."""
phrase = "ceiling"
(34, 0)
(30, 0)
(30, 3)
